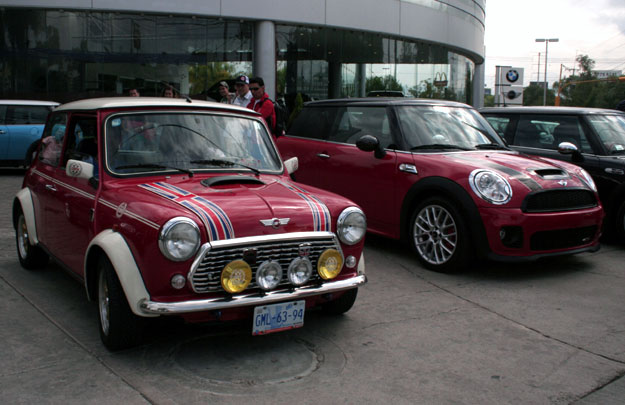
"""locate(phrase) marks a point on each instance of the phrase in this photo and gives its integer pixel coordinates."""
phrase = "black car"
(589, 137)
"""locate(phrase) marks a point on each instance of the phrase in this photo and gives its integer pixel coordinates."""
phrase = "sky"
(588, 27)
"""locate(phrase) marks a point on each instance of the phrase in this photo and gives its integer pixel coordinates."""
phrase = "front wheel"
(31, 256)
(439, 236)
(619, 226)
(119, 327)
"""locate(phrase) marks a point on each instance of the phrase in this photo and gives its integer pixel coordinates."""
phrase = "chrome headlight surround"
(588, 179)
(179, 239)
(351, 226)
(490, 186)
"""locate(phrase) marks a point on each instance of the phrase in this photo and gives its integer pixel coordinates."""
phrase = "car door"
(333, 162)
(74, 198)
(541, 134)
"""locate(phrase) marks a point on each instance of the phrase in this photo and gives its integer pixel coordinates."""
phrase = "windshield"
(611, 131)
(187, 142)
(442, 127)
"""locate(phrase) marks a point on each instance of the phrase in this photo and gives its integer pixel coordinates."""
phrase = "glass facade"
(68, 55)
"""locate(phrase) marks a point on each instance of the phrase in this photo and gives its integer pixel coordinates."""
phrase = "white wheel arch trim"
(26, 202)
(118, 252)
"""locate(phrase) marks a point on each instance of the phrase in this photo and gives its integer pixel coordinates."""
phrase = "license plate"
(278, 317)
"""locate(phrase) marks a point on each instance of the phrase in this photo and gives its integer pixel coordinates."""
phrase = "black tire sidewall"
(461, 256)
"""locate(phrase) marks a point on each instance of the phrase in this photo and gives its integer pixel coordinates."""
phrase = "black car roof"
(378, 101)
(548, 110)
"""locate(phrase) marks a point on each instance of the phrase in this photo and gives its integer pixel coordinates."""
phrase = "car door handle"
(50, 187)
(323, 155)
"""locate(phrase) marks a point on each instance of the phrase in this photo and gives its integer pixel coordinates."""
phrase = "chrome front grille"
(205, 274)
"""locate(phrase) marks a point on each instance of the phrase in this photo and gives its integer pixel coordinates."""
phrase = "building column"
(334, 79)
(478, 86)
(361, 80)
(264, 59)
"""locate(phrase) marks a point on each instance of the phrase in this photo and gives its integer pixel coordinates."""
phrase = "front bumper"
(211, 304)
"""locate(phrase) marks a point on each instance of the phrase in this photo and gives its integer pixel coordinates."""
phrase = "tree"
(201, 77)
(383, 83)
(534, 95)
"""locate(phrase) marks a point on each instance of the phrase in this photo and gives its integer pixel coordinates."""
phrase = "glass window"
(499, 124)
(611, 131)
(82, 141)
(147, 143)
(354, 122)
(548, 131)
(314, 122)
(26, 115)
(52, 139)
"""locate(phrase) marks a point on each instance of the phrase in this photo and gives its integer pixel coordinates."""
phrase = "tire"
(439, 236)
(31, 256)
(119, 327)
(342, 304)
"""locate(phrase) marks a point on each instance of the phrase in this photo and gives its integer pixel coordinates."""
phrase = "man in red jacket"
(261, 102)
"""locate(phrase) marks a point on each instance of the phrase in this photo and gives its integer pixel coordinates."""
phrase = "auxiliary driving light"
(236, 276)
(329, 264)
(299, 270)
(178, 281)
(268, 275)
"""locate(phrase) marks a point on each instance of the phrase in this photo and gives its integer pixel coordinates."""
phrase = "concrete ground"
(551, 332)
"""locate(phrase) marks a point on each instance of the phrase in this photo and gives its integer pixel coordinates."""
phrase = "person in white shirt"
(243, 93)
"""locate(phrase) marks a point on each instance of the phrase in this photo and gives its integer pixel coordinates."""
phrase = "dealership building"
(64, 50)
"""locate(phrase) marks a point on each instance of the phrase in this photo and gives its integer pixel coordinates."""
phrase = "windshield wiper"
(438, 146)
(153, 166)
(491, 146)
(225, 163)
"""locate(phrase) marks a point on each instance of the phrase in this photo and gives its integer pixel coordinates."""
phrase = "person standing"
(261, 102)
(243, 93)
(134, 92)
(224, 92)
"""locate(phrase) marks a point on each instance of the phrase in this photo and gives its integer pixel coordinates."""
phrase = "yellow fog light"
(236, 276)
(330, 264)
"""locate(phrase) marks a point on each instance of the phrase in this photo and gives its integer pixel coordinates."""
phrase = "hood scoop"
(551, 174)
(225, 180)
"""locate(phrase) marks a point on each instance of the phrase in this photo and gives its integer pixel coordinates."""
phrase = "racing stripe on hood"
(320, 212)
(213, 217)
(526, 180)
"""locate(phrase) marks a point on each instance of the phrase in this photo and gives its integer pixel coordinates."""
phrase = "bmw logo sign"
(512, 76)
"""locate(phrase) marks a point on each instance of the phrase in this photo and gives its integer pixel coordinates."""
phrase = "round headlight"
(299, 270)
(268, 275)
(179, 239)
(490, 186)
(588, 179)
(236, 276)
(330, 264)
(351, 226)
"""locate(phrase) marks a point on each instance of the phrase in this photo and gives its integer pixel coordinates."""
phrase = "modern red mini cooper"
(174, 207)
(441, 178)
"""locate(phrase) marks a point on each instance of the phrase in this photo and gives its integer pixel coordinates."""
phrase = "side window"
(3, 110)
(26, 115)
(354, 122)
(82, 141)
(500, 125)
(313, 122)
(548, 131)
(52, 139)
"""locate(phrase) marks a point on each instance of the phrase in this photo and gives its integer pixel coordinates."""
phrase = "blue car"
(21, 124)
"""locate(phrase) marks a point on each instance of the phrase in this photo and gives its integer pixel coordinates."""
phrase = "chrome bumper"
(210, 304)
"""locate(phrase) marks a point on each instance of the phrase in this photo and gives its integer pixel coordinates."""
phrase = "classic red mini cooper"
(441, 178)
(184, 207)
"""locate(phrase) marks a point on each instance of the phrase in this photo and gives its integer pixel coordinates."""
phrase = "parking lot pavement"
(540, 333)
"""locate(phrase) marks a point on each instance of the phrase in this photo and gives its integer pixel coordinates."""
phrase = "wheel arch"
(113, 246)
(456, 194)
(24, 201)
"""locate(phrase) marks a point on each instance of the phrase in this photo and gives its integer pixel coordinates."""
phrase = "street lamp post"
(546, 41)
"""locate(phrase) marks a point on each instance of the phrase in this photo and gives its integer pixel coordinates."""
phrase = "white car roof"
(125, 102)
(28, 102)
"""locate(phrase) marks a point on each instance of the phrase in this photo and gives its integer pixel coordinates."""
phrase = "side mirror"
(291, 165)
(369, 143)
(568, 148)
(79, 169)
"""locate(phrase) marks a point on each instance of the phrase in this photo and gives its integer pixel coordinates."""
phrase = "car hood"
(530, 172)
(233, 206)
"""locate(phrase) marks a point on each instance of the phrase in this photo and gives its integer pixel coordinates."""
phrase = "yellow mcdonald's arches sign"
(440, 79)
